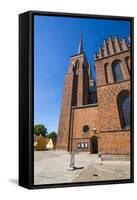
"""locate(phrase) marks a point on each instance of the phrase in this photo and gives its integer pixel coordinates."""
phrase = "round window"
(85, 128)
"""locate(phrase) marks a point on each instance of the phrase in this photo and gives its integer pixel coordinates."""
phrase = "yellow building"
(43, 143)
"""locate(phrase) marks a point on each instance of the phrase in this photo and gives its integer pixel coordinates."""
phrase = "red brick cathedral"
(95, 117)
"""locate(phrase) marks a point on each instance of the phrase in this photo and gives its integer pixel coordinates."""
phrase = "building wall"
(64, 122)
(114, 142)
(79, 107)
(75, 94)
(102, 64)
(112, 139)
(108, 108)
(109, 142)
(84, 116)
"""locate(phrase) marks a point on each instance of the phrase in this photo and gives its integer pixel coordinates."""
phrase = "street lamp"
(72, 158)
(72, 161)
(94, 130)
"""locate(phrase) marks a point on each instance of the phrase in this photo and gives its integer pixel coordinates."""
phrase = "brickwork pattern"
(108, 106)
(78, 104)
(108, 61)
(84, 116)
(114, 142)
(75, 93)
(62, 139)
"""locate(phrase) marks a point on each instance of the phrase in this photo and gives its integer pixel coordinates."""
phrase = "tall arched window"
(117, 73)
(77, 66)
(124, 110)
(75, 88)
(106, 71)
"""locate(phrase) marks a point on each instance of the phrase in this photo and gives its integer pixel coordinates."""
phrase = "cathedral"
(95, 114)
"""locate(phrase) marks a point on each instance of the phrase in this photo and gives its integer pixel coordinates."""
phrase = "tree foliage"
(52, 135)
(40, 129)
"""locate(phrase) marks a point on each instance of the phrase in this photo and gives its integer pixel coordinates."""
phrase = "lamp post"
(72, 158)
(94, 130)
(72, 161)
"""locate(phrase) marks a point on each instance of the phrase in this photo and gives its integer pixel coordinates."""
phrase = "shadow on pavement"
(75, 168)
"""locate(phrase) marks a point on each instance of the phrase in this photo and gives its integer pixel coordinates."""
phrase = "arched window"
(77, 66)
(117, 73)
(106, 72)
(124, 110)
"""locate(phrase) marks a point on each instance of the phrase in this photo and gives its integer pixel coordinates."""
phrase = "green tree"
(52, 135)
(40, 129)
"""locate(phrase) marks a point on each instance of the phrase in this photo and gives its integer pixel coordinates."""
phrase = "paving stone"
(52, 167)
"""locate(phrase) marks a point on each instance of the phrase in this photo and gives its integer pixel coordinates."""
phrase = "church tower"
(76, 88)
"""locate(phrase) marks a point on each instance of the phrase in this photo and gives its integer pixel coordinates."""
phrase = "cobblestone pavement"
(52, 167)
(106, 170)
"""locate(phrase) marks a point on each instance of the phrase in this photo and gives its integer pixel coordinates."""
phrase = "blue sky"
(55, 40)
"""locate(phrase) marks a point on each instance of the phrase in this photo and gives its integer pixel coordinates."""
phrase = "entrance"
(94, 145)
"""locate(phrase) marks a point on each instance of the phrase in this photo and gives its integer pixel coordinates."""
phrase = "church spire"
(80, 49)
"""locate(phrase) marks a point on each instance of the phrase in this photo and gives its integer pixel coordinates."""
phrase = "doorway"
(94, 145)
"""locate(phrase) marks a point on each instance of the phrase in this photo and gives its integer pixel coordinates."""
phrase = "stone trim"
(118, 82)
(121, 130)
(85, 106)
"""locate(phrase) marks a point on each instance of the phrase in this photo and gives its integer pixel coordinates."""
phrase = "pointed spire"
(106, 53)
(111, 45)
(100, 51)
(124, 44)
(80, 49)
(116, 44)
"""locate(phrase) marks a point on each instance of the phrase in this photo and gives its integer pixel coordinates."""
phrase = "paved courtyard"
(52, 167)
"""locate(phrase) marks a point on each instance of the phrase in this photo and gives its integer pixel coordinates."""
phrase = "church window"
(85, 128)
(77, 67)
(117, 72)
(106, 72)
(124, 110)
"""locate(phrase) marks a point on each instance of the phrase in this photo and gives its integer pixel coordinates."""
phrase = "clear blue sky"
(55, 40)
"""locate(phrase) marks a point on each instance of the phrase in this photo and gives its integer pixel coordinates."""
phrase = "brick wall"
(84, 116)
(104, 115)
(108, 108)
(107, 62)
(114, 142)
(112, 138)
(64, 123)
(75, 94)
